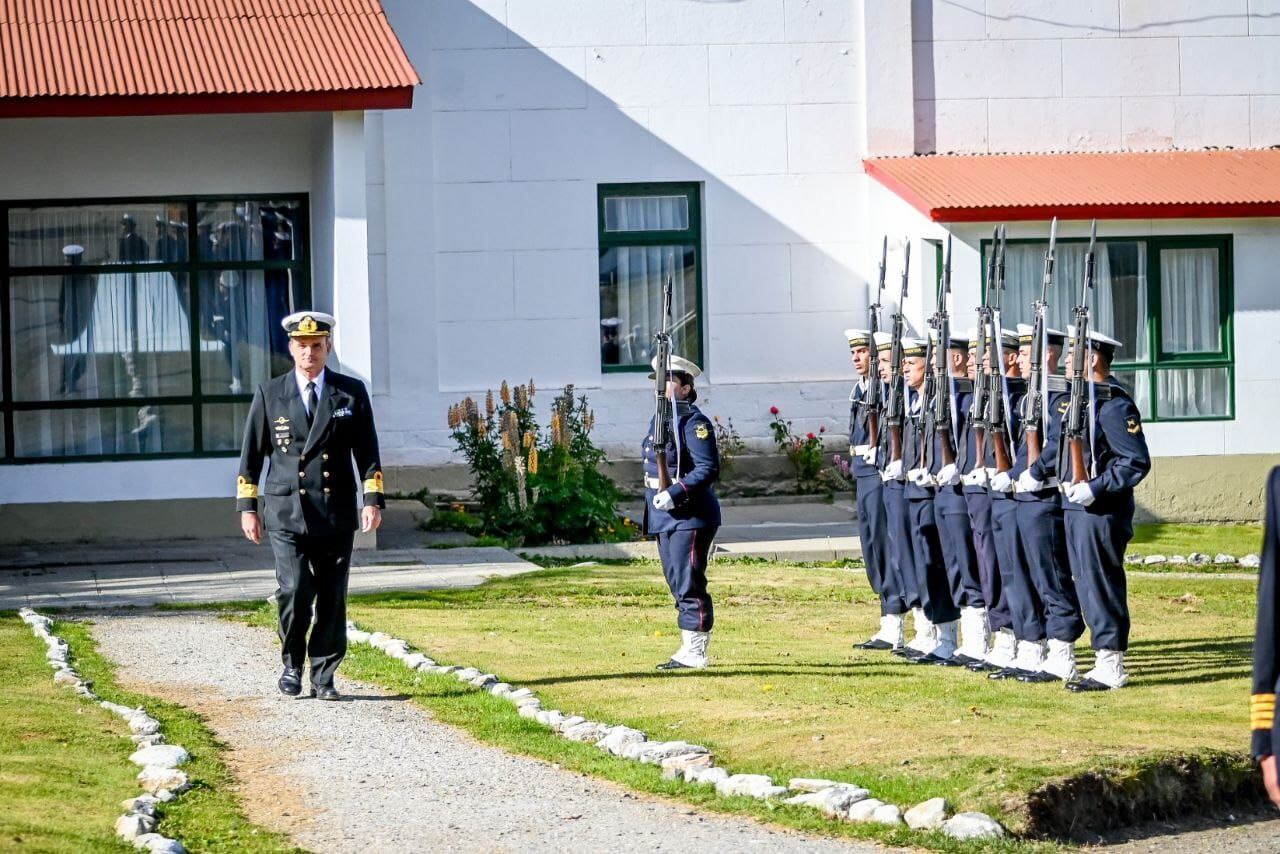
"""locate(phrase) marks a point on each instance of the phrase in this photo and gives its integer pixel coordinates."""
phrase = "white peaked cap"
(678, 363)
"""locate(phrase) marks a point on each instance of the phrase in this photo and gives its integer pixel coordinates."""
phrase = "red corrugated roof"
(94, 57)
(1126, 185)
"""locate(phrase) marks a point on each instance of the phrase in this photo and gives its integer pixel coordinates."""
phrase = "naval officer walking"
(310, 423)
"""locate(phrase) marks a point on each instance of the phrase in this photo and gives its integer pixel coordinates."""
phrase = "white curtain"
(1024, 279)
(1190, 322)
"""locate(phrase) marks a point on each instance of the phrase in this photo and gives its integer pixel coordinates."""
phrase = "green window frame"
(688, 238)
(192, 268)
(1158, 360)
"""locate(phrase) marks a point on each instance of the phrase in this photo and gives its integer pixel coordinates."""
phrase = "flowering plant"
(728, 442)
(805, 454)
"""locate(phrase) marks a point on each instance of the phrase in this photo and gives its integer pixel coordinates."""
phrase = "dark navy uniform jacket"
(1045, 468)
(310, 487)
(859, 424)
(1119, 453)
(1266, 643)
(693, 463)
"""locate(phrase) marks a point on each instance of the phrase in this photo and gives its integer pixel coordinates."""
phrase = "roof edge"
(87, 106)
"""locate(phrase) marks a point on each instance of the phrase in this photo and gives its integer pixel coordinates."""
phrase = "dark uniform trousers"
(930, 567)
(901, 552)
(1042, 532)
(1097, 535)
(1026, 612)
(977, 502)
(310, 497)
(872, 535)
(685, 533)
(959, 547)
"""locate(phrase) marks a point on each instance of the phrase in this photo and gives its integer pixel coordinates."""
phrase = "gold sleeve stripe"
(245, 489)
(374, 484)
(1262, 711)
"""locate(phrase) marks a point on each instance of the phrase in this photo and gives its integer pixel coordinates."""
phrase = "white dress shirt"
(303, 379)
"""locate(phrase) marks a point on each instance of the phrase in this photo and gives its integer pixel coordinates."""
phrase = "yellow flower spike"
(533, 461)
(504, 392)
(488, 403)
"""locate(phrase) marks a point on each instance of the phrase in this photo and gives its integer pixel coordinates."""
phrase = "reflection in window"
(243, 343)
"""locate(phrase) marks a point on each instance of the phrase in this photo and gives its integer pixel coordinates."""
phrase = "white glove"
(869, 455)
(663, 501)
(1001, 482)
(1028, 483)
(977, 477)
(892, 471)
(919, 477)
(1080, 493)
(859, 450)
(948, 475)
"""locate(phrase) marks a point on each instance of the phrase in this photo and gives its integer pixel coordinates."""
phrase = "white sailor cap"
(1026, 332)
(1007, 336)
(679, 364)
(1104, 344)
(858, 337)
(72, 249)
(914, 347)
(309, 324)
(883, 340)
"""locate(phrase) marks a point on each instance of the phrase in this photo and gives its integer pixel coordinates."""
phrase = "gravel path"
(378, 773)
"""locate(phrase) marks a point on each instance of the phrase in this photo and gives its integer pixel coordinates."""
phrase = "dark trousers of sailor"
(1026, 613)
(1095, 546)
(902, 562)
(931, 568)
(1044, 545)
(684, 563)
(984, 548)
(311, 575)
(872, 537)
(952, 514)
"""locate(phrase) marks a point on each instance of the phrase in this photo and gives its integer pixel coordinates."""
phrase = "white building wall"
(1095, 75)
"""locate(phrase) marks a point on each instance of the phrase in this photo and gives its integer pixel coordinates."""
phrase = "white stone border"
(160, 778)
(1249, 561)
(694, 763)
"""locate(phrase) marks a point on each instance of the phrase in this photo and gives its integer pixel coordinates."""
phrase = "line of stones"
(1249, 561)
(694, 763)
(160, 778)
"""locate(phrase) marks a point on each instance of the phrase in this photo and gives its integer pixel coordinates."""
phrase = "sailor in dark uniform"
(871, 518)
(311, 423)
(1039, 514)
(1266, 647)
(685, 516)
(1099, 509)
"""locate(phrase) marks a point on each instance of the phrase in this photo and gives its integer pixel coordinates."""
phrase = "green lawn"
(788, 696)
(64, 765)
(1171, 539)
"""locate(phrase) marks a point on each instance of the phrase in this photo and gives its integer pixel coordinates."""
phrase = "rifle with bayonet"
(662, 415)
(873, 402)
(942, 382)
(981, 354)
(1081, 372)
(893, 411)
(1037, 392)
(997, 414)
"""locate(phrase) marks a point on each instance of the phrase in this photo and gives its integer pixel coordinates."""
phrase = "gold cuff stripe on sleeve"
(245, 489)
(374, 484)
(1262, 711)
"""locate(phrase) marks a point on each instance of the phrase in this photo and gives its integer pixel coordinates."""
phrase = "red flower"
(811, 436)
(822, 429)
(773, 410)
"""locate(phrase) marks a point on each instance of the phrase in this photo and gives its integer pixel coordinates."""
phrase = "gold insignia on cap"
(374, 484)
(307, 325)
(701, 431)
(245, 489)
(1131, 424)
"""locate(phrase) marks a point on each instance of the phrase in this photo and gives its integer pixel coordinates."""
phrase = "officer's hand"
(869, 456)
(1001, 482)
(663, 501)
(977, 477)
(1080, 493)
(1270, 779)
(892, 471)
(1027, 482)
(251, 525)
(920, 477)
(370, 518)
(948, 475)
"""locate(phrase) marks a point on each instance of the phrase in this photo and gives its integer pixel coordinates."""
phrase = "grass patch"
(789, 697)
(208, 816)
(1170, 539)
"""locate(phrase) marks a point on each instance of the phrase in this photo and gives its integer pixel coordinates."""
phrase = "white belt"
(651, 483)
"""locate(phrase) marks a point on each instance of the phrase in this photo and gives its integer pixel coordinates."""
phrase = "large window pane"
(1193, 392)
(223, 425)
(100, 335)
(646, 213)
(1139, 385)
(1118, 304)
(114, 431)
(134, 233)
(250, 231)
(632, 279)
(241, 341)
(1189, 298)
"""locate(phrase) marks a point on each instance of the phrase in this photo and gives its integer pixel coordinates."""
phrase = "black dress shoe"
(325, 692)
(1081, 686)
(954, 660)
(909, 653)
(1008, 673)
(290, 682)
(981, 666)
(672, 664)
(874, 643)
(962, 660)
(1040, 676)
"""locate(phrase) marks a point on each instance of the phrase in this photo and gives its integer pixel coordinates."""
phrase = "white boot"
(946, 639)
(1061, 660)
(1003, 648)
(693, 653)
(973, 633)
(1030, 656)
(1108, 670)
(926, 633)
(893, 630)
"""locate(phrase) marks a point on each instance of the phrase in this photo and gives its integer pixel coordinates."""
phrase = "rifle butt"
(1079, 471)
(664, 476)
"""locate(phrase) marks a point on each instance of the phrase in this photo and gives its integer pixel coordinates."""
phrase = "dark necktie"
(313, 401)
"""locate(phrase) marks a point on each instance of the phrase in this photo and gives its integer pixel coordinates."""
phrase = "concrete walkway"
(141, 575)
